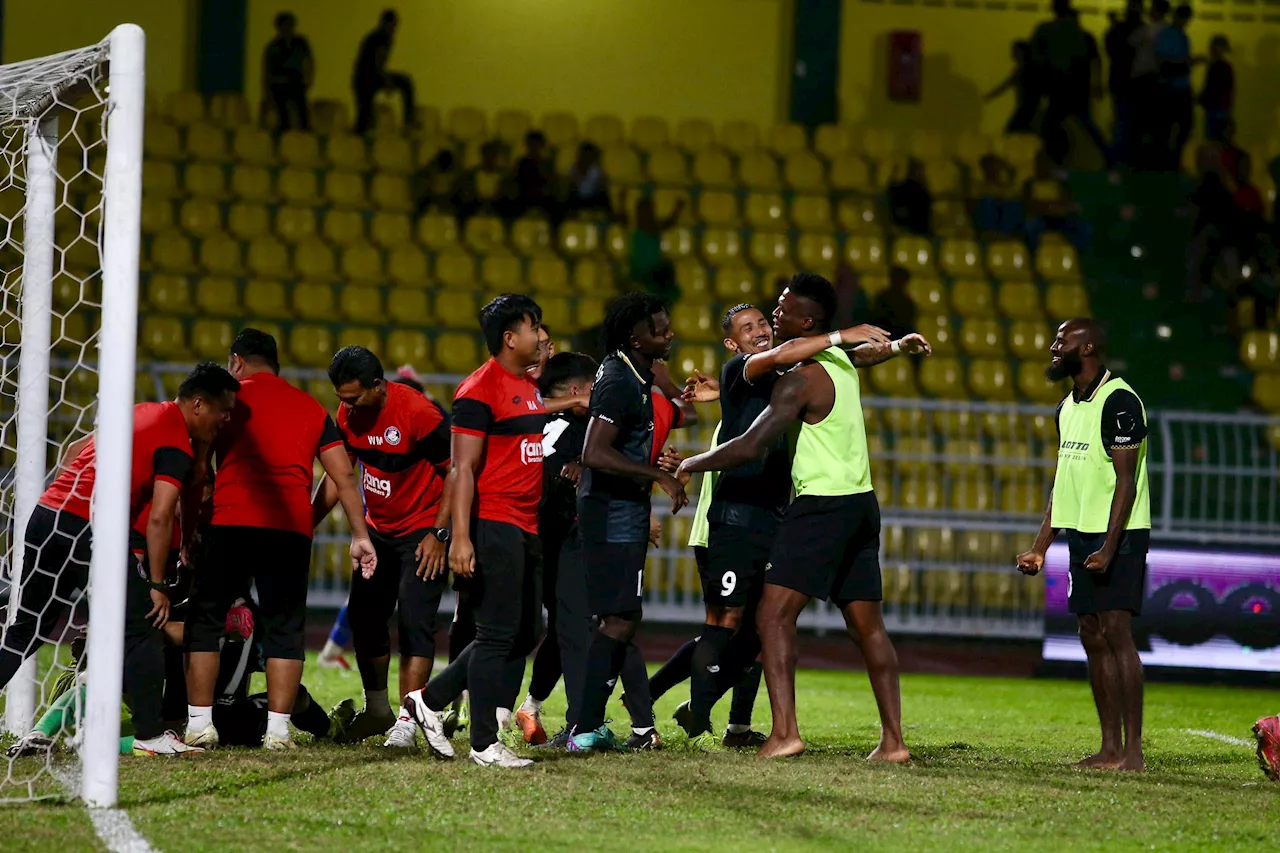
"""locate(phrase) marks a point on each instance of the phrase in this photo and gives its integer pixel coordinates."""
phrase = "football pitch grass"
(990, 772)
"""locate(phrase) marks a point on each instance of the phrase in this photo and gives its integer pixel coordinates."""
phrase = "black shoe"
(560, 741)
(743, 740)
(651, 740)
(684, 718)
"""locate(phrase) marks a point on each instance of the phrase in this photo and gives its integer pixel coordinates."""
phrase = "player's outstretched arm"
(785, 407)
(1031, 562)
(1125, 463)
(868, 355)
(338, 470)
(799, 350)
(468, 449)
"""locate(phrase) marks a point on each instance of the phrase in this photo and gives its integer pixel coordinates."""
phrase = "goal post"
(71, 141)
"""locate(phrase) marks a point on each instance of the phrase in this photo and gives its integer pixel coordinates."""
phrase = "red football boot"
(1267, 731)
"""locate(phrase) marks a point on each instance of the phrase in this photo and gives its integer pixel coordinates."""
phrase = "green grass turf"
(990, 772)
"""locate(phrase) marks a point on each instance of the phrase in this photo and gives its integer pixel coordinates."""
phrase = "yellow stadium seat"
(718, 208)
(972, 495)
(928, 293)
(184, 107)
(695, 134)
(914, 254)
(426, 150)
(851, 173)
(1020, 300)
(218, 297)
(677, 242)
(617, 244)
(766, 210)
(693, 278)
(817, 252)
(561, 129)
(1266, 391)
(1033, 385)
(456, 309)
(294, 224)
(360, 336)
(811, 213)
(972, 297)
(938, 332)
(865, 253)
(161, 142)
(229, 109)
(665, 200)
(928, 145)
(253, 146)
(268, 258)
(858, 215)
(740, 137)
(510, 126)
(691, 358)
(991, 379)
(531, 236)
(345, 190)
(220, 255)
(329, 116)
(252, 183)
(313, 260)
(589, 312)
(593, 275)
(160, 180)
(171, 252)
(1057, 262)
(920, 491)
(343, 227)
(313, 301)
(346, 152)
(604, 130)
(361, 304)
(163, 337)
(211, 339)
(299, 186)
(667, 165)
(964, 455)
(735, 283)
(391, 230)
(951, 218)
(1030, 339)
(622, 164)
(169, 294)
(502, 271)
(982, 337)
(579, 238)
(1021, 151)
(362, 262)
(408, 306)
(200, 217)
(455, 269)
(457, 352)
(758, 170)
(300, 150)
(391, 193)
(264, 299)
(648, 132)
(409, 347)
(961, 258)
(548, 275)
(720, 245)
(247, 221)
(467, 124)
(557, 312)
(700, 324)
(787, 139)
(1008, 261)
(311, 345)
(157, 215)
(972, 147)
(207, 143)
(392, 154)
(207, 180)
(407, 265)
(437, 230)
(901, 420)
(713, 169)
(942, 177)
(803, 171)
(485, 233)
(1065, 301)
(1260, 350)
(878, 144)
(832, 140)
(912, 454)
(893, 378)
(1025, 494)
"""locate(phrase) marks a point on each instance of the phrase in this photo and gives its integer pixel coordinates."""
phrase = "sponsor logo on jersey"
(1074, 445)
(377, 485)
(392, 435)
(531, 451)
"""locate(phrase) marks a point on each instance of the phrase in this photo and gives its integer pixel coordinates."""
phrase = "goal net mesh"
(53, 146)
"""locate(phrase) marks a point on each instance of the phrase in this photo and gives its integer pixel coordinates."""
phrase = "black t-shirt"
(765, 483)
(368, 70)
(285, 59)
(1123, 423)
(562, 440)
(611, 508)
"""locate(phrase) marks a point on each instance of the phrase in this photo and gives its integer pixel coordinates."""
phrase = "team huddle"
(537, 492)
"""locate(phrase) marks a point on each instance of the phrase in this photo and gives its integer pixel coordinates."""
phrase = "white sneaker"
(166, 744)
(498, 755)
(431, 722)
(504, 719)
(403, 735)
(270, 741)
(206, 738)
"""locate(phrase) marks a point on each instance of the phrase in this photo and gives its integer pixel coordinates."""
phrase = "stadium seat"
(360, 336)
(718, 208)
(361, 304)
(961, 258)
(927, 145)
(206, 143)
(345, 190)
(1025, 495)
(678, 242)
(343, 227)
(547, 274)
(665, 200)
(311, 346)
(694, 135)
(766, 210)
(362, 262)
(740, 137)
(1007, 260)
(557, 313)
(859, 215)
(253, 146)
(577, 239)
(484, 234)
(246, 221)
(426, 150)
(942, 177)
(157, 216)
(970, 494)
(295, 224)
(252, 183)
(409, 306)
(693, 278)
(299, 149)
(407, 265)
(268, 258)
(171, 252)
(1030, 339)
(211, 339)
(811, 213)
(757, 170)
(915, 254)
(648, 133)
(942, 377)
(392, 154)
(205, 180)
(346, 152)
(991, 379)
(455, 269)
(1033, 385)
(467, 124)
(184, 107)
(200, 217)
(928, 293)
(951, 218)
(911, 454)
(700, 323)
(163, 337)
(972, 298)
(972, 147)
(510, 126)
(220, 254)
(735, 282)
(329, 116)
(878, 144)
(409, 347)
(313, 301)
(299, 186)
(391, 230)
(720, 245)
(1020, 300)
(1020, 150)
(456, 309)
(893, 378)
(313, 260)
(561, 129)
(502, 271)
(713, 169)
(691, 358)
(920, 491)
(604, 130)
(1260, 350)
(982, 337)
(438, 231)
(218, 297)
(851, 173)
(964, 456)
(169, 294)
(786, 139)
(160, 180)
(668, 166)
(1064, 301)
(457, 352)
(817, 252)
(892, 167)
(865, 253)
(906, 420)
(391, 193)
(531, 236)
(265, 300)
(832, 140)
(589, 312)
(161, 142)
(1057, 262)
(1266, 391)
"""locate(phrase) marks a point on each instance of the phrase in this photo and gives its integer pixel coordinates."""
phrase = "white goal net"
(70, 200)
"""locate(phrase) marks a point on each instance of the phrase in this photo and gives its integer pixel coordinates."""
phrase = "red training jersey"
(263, 474)
(666, 417)
(161, 451)
(507, 412)
(404, 451)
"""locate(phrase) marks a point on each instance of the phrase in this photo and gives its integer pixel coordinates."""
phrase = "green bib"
(1085, 480)
(700, 530)
(830, 457)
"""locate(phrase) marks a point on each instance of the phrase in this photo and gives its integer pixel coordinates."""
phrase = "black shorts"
(615, 576)
(1121, 587)
(278, 562)
(828, 547)
(733, 574)
(395, 583)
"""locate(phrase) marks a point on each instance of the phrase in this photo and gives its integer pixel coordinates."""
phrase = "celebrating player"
(498, 419)
(58, 542)
(829, 541)
(402, 443)
(1101, 498)
(261, 529)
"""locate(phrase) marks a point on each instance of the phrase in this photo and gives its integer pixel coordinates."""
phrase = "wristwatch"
(161, 586)
(441, 534)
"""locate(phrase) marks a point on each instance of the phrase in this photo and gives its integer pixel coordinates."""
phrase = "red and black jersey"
(666, 417)
(161, 451)
(264, 456)
(507, 412)
(404, 451)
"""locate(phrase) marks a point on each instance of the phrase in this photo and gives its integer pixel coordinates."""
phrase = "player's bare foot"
(781, 747)
(890, 754)
(1099, 761)
(1133, 764)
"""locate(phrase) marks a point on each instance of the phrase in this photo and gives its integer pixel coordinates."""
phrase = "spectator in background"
(1216, 220)
(1025, 83)
(486, 187)
(435, 184)
(287, 73)
(1173, 50)
(852, 306)
(1146, 143)
(1218, 94)
(371, 75)
(588, 185)
(1048, 206)
(995, 206)
(894, 310)
(910, 203)
(1072, 67)
(1250, 207)
(1220, 156)
(649, 268)
(536, 177)
(1120, 55)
